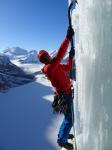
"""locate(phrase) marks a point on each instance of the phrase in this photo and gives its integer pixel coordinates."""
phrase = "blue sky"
(33, 24)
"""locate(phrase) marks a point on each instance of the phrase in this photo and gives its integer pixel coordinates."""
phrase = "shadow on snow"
(25, 118)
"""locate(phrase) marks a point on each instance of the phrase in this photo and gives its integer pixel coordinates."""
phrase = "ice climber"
(57, 73)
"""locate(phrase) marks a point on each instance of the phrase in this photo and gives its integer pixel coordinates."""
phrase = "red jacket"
(57, 73)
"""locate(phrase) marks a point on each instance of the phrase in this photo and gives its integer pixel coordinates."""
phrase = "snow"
(25, 118)
(14, 51)
(30, 57)
(28, 67)
(21, 55)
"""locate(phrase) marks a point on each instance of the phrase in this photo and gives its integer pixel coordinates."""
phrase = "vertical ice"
(94, 66)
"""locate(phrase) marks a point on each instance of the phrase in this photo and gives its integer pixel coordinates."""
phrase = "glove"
(70, 33)
(72, 53)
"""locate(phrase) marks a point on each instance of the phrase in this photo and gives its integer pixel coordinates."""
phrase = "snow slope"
(94, 72)
(26, 119)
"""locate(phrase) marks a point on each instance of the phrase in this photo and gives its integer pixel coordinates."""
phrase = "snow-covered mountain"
(14, 52)
(11, 75)
(21, 55)
(30, 57)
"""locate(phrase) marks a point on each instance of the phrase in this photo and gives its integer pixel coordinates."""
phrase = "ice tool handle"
(74, 2)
